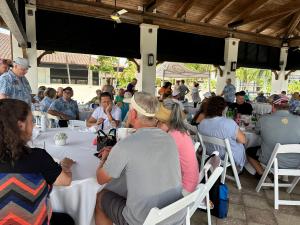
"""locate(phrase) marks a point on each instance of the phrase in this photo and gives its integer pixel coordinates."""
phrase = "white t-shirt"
(99, 113)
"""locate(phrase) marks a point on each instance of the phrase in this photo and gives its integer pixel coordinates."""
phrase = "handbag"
(105, 140)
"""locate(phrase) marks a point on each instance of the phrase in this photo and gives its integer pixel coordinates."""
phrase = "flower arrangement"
(60, 138)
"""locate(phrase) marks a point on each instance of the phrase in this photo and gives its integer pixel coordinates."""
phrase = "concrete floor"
(247, 207)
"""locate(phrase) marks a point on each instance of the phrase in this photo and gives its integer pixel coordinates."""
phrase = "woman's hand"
(66, 164)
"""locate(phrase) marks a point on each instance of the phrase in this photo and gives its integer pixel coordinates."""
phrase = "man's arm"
(58, 114)
(102, 176)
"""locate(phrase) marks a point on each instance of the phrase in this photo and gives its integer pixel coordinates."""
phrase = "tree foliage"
(127, 75)
(294, 86)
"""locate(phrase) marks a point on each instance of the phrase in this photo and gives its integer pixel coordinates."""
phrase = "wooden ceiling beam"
(294, 42)
(267, 15)
(152, 4)
(293, 24)
(92, 9)
(249, 10)
(185, 6)
(268, 23)
(222, 5)
(11, 18)
(279, 32)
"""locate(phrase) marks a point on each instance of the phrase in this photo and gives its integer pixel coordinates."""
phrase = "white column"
(148, 47)
(230, 56)
(90, 77)
(281, 84)
(32, 74)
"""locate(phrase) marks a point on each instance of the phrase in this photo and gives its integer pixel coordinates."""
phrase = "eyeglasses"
(68, 92)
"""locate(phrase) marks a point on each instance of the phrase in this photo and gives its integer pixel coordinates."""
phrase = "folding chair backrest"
(189, 202)
(156, 215)
(214, 141)
(206, 188)
(287, 149)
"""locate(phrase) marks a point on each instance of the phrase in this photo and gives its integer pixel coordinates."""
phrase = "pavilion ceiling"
(266, 22)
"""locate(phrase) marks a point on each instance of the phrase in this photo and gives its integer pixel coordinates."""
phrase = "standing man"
(131, 86)
(13, 84)
(183, 89)
(3, 66)
(229, 92)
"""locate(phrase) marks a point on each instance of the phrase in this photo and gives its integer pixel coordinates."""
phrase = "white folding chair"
(213, 163)
(189, 202)
(281, 149)
(53, 120)
(225, 163)
(196, 146)
(37, 116)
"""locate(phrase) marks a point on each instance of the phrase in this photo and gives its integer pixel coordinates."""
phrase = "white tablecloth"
(262, 108)
(253, 139)
(79, 199)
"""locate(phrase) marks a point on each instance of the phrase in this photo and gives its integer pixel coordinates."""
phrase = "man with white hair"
(142, 170)
(13, 84)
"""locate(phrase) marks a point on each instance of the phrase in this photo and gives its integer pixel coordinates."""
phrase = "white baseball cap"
(22, 62)
(127, 97)
(207, 95)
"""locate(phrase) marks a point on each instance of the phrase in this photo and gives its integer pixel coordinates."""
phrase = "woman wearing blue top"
(215, 125)
(50, 95)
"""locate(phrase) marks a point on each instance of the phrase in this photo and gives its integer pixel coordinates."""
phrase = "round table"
(78, 199)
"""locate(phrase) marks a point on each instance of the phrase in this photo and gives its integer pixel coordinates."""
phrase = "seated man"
(65, 108)
(142, 171)
(107, 115)
(279, 127)
(261, 98)
(242, 107)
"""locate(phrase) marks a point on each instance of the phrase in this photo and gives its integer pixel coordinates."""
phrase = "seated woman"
(27, 174)
(215, 125)
(171, 120)
(50, 96)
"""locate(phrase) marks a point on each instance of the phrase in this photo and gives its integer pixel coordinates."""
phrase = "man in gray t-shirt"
(142, 171)
(280, 127)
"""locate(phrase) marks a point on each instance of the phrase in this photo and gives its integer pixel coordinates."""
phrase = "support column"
(90, 77)
(32, 74)
(230, 59)
(281, 84)
(148, 48)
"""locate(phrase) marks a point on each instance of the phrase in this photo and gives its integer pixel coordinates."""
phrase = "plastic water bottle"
(43, 123)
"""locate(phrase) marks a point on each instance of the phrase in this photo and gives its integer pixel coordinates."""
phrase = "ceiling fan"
(116, 15)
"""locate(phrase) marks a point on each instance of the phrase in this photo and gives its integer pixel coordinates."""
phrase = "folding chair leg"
(225, 168)
(208, 210)
(293, 185)
(188, 217)
(276, 187)
(263, 178)
(203, 158)
(235, 173)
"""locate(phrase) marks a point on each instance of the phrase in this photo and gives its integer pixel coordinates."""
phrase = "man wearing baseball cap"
(13, 84)
(279, 127)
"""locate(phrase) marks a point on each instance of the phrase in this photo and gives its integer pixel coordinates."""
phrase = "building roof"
(177, 70)
(55, 58)
(5, 51)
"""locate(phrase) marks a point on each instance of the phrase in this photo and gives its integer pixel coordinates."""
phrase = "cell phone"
(97, 155)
